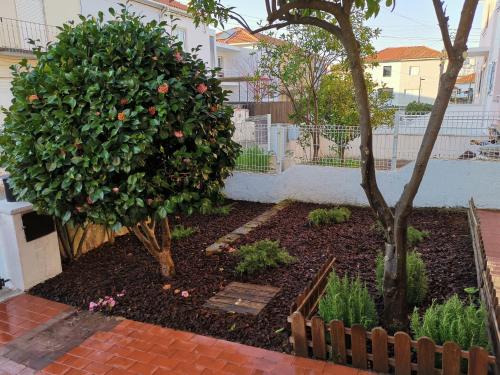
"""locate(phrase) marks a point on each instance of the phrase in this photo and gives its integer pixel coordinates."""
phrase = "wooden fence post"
(426, 350)
(358, 347)
(318, 337)
(379, 350)
(478, 361)
(402, 353)
(337, 334)
(299, 335)
(451, 358)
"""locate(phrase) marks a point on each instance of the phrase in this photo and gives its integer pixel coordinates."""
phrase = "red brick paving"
(490, 234)
(138, 348)
(23, 313)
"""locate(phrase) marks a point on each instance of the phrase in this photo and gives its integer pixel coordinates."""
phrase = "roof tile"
(405, 53)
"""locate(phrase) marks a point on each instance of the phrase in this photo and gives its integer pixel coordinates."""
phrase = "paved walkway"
(490, 234)
(119, 346)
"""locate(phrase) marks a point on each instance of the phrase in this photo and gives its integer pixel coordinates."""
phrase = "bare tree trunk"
(145, 232)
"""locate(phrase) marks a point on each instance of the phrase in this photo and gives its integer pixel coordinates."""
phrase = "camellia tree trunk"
(145, 231)
(335, 17)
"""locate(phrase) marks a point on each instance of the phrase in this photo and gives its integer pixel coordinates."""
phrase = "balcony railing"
(15, 35)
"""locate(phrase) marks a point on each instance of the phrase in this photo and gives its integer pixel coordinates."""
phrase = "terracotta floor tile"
(56, 369)
(143, 369)
(120, 362)
(97, 368)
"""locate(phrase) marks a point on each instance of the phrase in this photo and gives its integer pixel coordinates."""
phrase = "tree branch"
(443, 26)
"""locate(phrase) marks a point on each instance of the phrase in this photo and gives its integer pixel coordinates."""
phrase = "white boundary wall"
(447, 183)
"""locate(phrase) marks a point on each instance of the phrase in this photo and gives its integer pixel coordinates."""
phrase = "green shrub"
(254, 159)
(349, 301)
(218, 210)
(262, 255)
(415, 236)
(453, 320)
(180, 232)
(323, 216)
(414, 106)
(416, 277)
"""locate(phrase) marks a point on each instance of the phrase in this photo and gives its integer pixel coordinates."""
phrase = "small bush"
(416, 277)
(415, 236)
(180, 232)
(260, 256)
(453, 320)
(218, 210)
(349, 301)
(323, 216)
(414, 106)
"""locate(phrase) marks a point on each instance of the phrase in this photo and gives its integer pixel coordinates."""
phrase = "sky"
(412, 22)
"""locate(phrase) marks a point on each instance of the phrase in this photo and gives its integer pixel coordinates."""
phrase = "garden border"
(485, 281)
(350, 346)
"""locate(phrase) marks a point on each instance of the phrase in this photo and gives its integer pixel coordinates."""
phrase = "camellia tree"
(335, 17)
(116, 125)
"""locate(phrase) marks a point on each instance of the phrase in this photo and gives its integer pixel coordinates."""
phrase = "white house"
(21, 20)
(487, 82)
(238, 55)
(409, 73)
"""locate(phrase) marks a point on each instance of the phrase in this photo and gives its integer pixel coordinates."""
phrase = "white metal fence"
(15, 35)
(273, 147)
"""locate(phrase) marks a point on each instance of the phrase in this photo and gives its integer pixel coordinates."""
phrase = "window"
(180, 34)
(491, 77)
(414, 70)
(386, 71)
(220, 62)
(387, 92)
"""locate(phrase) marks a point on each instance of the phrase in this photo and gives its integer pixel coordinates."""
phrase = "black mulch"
(126, 266)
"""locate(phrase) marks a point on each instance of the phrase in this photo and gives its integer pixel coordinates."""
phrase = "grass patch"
(328, 161)
(254, 159)
(179, 232)
(322, 216)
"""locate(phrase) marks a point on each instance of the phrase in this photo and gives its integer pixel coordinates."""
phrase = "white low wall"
(447, 183)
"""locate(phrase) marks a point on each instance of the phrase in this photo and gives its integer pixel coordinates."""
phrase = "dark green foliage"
(415, 236)
(262, 255)
(416, 277)
(116, 124)
(349, 301)
(418, 107)
(322, 216)
(180, 232)
(223, 210)
(454, 320)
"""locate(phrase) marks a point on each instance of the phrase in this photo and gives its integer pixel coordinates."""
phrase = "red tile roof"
(406, 53)
(469, 78)
(173, 4)
(238, 35)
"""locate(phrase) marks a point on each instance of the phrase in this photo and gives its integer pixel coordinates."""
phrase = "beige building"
(409, 73)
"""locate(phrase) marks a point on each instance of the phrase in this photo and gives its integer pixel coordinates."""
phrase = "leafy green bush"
(254, 159)
(349, 301)
(416, 277)
(323, 216)
(223, 210)
(180, 232)
(418, 107)
(454, 320)
(260, 256)
(415, 236)
(117, 125)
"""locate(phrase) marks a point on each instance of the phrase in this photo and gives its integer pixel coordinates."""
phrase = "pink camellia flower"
(152, 110)
(116, 190)
(185, 294)
(178, 56)
(163, 89)
(93, 306)
(178, 134)
(89, 200)
(32, 98)
(121, 294)
(79, 208)
(111, 302)
(202, 88)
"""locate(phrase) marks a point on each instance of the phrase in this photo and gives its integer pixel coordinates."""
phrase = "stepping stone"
(242, 298)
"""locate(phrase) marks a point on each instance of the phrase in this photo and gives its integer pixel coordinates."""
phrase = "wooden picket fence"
(375, 349)
(485, 280)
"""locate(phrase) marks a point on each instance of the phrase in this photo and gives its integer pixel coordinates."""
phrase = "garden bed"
(354, 244)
